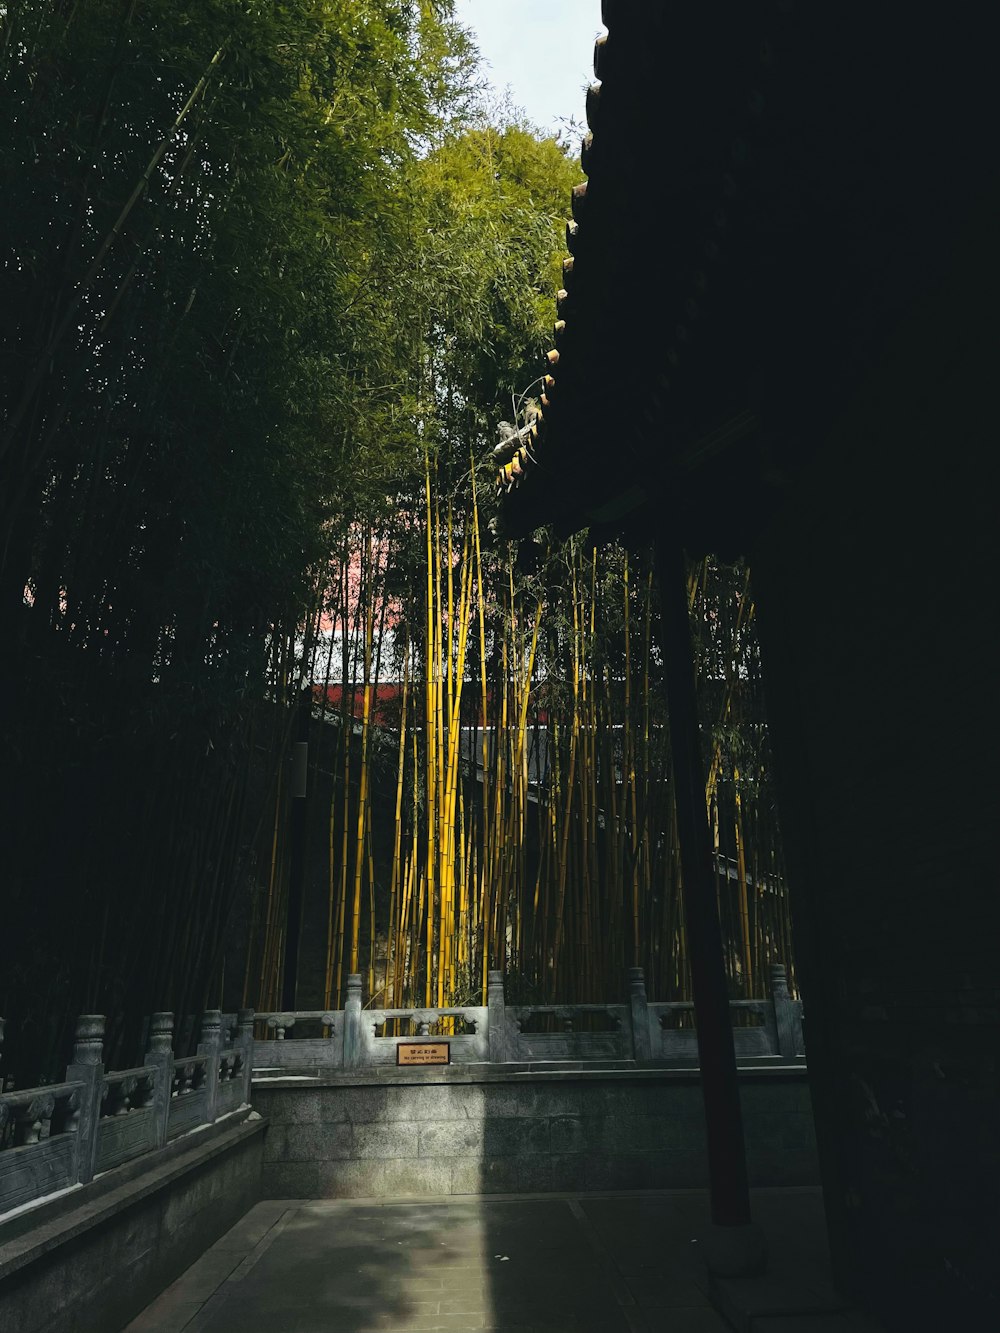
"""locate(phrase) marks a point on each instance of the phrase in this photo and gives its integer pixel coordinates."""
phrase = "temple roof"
(766, 187)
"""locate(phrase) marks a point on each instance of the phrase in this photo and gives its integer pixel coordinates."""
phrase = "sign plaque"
(423, 1053)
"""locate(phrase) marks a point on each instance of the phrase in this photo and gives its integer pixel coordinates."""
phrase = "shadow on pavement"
(515, 1264)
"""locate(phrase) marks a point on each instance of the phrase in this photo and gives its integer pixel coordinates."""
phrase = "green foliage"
(494, 203)
(221, 373)
(254, 257)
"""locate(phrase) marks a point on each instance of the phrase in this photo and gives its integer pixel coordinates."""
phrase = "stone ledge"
(33, 1233)
(597, 1130)
(569, 1071)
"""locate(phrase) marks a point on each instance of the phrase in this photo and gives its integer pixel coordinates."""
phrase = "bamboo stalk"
(366, 594)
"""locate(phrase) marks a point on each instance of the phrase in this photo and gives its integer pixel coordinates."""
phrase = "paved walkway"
(514, 1264)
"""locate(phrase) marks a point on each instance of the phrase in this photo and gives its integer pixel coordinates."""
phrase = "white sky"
(542, 49)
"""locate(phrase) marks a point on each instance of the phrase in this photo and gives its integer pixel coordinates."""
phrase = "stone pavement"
(622, 1263)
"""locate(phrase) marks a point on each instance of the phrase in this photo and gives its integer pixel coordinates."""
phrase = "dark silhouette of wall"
(876, 592)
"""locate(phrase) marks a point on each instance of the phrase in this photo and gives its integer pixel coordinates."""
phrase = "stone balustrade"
(638, 1032)
(64, 1134)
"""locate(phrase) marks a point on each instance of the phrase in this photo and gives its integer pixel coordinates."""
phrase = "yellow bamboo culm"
(428, 879)
(530, 825)
(367, 594)
(393, 960)
(483, 722)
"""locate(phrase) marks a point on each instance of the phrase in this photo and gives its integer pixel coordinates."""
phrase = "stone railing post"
(211, 1045)
(244, 1044)
(496, 1018)
(786, 1015)
(160, 1053)
(352, 1022)
(87, 1067)
(642, 1049)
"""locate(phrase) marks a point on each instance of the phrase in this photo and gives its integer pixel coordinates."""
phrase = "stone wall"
(451, 1132)
(90, 1260)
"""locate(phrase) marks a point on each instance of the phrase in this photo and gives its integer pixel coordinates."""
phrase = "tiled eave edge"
(560, 467)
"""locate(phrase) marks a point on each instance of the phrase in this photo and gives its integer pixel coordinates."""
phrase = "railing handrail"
(637, 1030)
(22, 1096)
(89, 1141)
(140, 1071)
(68, 1128)
(424, 1015)
(269, 1014)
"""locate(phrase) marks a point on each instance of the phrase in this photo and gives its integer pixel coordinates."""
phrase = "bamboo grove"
(234, 242)
(503, 794)
(270, 274)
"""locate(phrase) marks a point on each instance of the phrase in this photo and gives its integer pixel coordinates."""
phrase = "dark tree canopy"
(242, 247)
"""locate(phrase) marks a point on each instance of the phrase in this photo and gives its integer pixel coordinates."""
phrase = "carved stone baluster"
(87, 1067)
(787, 1016)
(353, 1034)
(145, 1088)
(642, 1047)
(47, 1111)
(68, 1113)
(114, 1100)
(88, 1044)
(211, 1046)
(496, 1018)
(117, 1101)
(244, 1042)
(211, 1029)
(32, 1120)
(161, 1036)
(26, 1126)
(161, 1056)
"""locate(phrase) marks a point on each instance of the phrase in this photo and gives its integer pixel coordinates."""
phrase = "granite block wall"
(90, 1261)
(525, 1134)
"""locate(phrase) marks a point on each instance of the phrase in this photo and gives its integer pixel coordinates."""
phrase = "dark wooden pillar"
(717, 1057)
